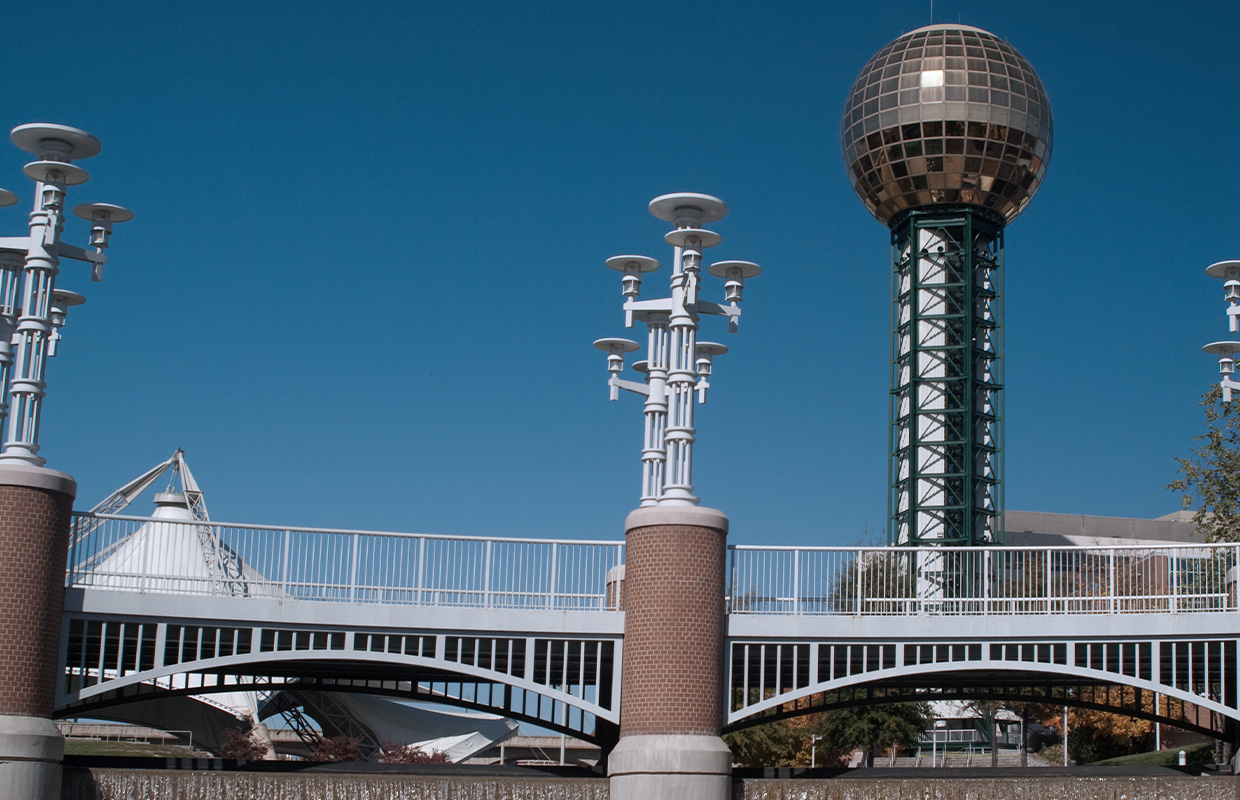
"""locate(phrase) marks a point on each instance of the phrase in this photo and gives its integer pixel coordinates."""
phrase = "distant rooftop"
(1042, 529)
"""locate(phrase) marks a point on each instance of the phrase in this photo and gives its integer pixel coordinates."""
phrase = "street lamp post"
(677, 364)
(1229, 273)
(672, 681)
(30, 318)
(35, 502)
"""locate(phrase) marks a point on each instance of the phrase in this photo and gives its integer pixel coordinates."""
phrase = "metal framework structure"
(946, 407)
(223, 565)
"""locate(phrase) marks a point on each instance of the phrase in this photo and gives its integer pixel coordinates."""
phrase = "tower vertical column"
(35, 506)
(672, 682)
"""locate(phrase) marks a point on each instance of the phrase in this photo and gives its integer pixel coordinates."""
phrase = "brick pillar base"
(35, 506)
(672, 689)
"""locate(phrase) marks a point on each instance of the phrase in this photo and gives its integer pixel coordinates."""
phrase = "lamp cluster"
(1229, 273)
(32, 309)
(677, 365)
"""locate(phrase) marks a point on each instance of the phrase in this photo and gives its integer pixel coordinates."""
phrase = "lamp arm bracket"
(655, 304)
(630, 386)
(717, 309)
(15, 243)
(78, 254)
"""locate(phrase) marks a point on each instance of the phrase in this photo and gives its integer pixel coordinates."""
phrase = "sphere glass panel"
(947, 115)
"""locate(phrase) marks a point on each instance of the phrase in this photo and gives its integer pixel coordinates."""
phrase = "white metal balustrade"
(151, 555)
(992, 581)
(138, 554)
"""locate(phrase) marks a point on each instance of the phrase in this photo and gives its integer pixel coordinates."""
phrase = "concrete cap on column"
(647, 516)
(32, 477)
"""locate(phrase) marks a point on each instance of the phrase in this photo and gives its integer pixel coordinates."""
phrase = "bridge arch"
(564, 683)
(1195, 678)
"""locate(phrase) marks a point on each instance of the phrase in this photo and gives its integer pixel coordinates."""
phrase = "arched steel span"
(601, 731)
(560, 682)
(1134, 699)
(1199, 670)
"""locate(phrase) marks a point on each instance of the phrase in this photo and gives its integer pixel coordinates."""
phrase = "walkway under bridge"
(533, 629)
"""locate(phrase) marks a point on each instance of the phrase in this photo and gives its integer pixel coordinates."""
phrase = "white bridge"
(533, 629)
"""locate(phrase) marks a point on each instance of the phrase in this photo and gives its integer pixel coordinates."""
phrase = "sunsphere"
(947, 115)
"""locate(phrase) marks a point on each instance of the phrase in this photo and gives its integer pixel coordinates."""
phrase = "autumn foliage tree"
(241, 744)
(337, 748)
(1096, 735)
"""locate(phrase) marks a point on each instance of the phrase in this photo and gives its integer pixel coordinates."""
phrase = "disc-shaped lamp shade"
(1224, 270)
(745, 269)
(639, 263)
(114, 213)
(704, 208)
(616, 345)
(48, 140)
(1222, 348)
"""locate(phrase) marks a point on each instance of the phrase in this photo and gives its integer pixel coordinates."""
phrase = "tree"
(772, 744)
(337, 748)
(874, 729)
(1212, 477)
(1095, 735)
(394, 753)
(242, 745)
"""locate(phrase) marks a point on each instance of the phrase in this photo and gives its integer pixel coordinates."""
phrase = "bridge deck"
(533, 628)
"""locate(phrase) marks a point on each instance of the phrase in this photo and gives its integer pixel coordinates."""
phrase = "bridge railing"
(982, 580)
(139, 554)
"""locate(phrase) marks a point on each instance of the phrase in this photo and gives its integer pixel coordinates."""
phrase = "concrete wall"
(117, 784)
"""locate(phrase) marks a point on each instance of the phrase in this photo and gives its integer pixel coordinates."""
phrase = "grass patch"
(98, 747)
(1196, 753)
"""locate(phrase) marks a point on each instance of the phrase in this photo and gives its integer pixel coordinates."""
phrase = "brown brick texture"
(34, 536)
(674, 629)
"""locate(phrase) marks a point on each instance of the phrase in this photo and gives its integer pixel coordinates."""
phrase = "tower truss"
(945, 468)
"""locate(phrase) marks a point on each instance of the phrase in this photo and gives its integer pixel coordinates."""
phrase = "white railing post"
(796, 583)
(857, 559)
(284, 560)
(486, 577)
(420, 587)
(987, 584)
(1111, 579)
(1047, 583)
(551, 583)
(1174, 583)
(353, 571)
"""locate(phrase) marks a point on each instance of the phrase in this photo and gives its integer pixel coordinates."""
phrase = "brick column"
(35, 504)
(672, 682)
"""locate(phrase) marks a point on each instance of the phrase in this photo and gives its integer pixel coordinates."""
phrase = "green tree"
(1211, 478)
(772, 744)
(873, 729)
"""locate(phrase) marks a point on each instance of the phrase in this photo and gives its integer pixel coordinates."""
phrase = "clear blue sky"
(368, 260)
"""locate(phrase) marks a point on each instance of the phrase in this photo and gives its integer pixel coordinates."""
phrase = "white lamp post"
(677, 365)
(30, 318)
(1229, 273)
